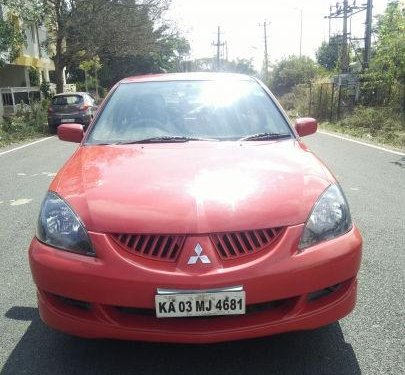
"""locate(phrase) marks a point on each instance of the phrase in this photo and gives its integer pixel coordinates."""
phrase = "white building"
(15, 85)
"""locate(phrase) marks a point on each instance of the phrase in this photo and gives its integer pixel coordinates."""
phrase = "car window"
(224, 110)
(67, 100)
(90, 99)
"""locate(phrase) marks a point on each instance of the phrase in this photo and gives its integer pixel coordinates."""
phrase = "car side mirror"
(71, 132)
(306, 126)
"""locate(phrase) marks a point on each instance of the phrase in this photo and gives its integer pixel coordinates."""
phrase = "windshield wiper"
(165, 139)
(265, 136)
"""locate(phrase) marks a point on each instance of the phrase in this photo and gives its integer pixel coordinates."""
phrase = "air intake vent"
(233, 245)
(159, 247)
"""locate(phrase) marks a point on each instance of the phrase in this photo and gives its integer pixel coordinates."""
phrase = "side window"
(91, 100)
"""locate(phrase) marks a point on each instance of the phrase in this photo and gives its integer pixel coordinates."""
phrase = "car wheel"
(53, 129)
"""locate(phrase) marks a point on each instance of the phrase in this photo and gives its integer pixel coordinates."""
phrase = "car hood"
(195, 187)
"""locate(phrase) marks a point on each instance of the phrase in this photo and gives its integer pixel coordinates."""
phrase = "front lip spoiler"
(166, 292)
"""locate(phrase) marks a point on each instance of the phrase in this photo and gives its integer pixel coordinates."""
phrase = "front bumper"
(113, 295)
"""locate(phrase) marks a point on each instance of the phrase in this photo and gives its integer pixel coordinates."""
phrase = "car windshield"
(67, 99)
(188, 110)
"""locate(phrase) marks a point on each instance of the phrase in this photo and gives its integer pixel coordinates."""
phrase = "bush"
(28, 121)
(379, 123)
(46, 89)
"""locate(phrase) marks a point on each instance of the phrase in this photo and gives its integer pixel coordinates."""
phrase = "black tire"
(53, 129)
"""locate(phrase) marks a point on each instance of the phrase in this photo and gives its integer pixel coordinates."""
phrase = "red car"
(192, 212)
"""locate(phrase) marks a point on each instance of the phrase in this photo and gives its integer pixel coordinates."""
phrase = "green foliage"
(34, 76)
(169, 57)
(389, 57)
(12, 40)
(172, 49)
(292, 71)
(208, 64)
(384, 81)
(296, 103)
(118, 67)
(81, 29)
(380, 124)
(242, 66)
(29, 121)
(327, 54)
(91, 65)
(46, 89)
(28, 11)
(12, 35)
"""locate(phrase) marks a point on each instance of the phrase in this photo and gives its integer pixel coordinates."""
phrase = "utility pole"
(344, 56)
(346, 11)
(218, 49)
(300, 32)
(218, 46)
(367, 36)
(266, 55)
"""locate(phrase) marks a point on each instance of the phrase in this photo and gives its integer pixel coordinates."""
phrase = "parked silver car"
(73, 107)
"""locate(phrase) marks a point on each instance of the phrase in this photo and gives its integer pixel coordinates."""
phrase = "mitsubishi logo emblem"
(195, 258)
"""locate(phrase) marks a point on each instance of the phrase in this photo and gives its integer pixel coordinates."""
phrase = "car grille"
(236, 244)
(161, 247)
(167, 247)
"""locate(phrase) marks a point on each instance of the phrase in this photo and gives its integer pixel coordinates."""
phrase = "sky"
(240, 22)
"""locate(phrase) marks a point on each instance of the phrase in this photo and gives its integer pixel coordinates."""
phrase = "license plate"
(64, 120)
(200, 304)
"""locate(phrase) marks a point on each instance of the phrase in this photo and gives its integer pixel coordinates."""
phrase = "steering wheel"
(148, 124)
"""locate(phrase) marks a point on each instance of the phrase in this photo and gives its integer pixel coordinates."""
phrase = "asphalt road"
(370, 341)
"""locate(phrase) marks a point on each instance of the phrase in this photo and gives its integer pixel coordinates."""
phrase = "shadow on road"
(400, 162)
(44, 351)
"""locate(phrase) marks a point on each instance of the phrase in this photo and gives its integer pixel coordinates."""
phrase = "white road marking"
(354, 188)
(19, 202)
(48, 174)
(362, 143)
(23, 146)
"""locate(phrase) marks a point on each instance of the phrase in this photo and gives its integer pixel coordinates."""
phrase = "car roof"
(72, 93)
(187, 77)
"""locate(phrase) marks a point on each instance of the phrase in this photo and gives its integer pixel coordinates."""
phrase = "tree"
(88, 66)
(389, 56)
(327, 54)
(167, 56)
(242, 66)
(83, 29)
(172, 49)
(12, 35)
(11, 41)
(384, 81)
(290, 72)
(204, 64)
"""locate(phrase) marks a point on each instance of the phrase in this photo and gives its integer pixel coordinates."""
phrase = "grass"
(377, 125)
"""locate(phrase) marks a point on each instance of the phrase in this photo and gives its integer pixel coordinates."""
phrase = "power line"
(345, 11)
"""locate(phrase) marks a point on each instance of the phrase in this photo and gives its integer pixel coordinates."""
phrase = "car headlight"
(60, 227)
(330, 218)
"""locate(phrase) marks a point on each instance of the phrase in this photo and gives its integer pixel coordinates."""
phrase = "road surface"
(369, 341)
